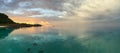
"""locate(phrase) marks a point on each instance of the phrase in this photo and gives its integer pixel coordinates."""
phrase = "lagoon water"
(53, 40)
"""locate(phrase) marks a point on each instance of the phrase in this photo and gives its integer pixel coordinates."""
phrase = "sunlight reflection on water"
(54, 40)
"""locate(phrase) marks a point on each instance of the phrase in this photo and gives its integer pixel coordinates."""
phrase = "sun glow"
(30, 20)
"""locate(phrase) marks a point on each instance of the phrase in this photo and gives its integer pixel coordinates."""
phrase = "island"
(5, 21)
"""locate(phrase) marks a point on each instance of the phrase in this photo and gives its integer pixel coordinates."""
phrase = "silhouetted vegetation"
(6, 21)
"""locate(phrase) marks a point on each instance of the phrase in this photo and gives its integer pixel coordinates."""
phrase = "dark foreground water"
(51, 40)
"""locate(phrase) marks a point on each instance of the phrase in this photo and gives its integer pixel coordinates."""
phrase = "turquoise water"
(52, 40)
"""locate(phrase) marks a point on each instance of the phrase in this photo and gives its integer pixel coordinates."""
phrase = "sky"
(62, 11)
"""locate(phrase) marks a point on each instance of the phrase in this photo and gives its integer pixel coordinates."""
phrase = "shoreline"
(19, 25)
(5, 21)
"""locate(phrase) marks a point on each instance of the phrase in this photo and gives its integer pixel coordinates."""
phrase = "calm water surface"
(53, 40)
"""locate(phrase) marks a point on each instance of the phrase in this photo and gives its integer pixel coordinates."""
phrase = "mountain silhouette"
(6, 21)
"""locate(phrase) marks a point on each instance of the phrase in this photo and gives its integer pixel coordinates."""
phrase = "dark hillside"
(4, 19)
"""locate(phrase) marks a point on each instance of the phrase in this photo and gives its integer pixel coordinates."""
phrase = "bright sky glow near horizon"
(62, 10)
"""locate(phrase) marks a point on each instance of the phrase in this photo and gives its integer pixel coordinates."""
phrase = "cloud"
(45, 4)
(92, 10)
(79, 10)
(32, 8)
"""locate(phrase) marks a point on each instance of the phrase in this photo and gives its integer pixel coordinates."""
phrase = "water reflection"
(51, 40)
(5, 32)
(48, 41)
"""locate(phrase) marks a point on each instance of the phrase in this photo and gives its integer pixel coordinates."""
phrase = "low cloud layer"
(78, 10)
